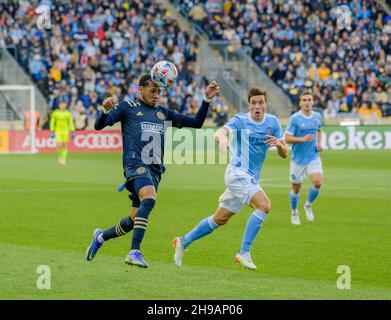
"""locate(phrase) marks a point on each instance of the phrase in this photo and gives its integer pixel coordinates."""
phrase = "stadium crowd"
(300, 45)
(99, 48)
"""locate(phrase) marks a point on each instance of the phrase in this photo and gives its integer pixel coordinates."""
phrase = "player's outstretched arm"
(109, 115)
(282, 148)
(292, 139)
(198, 120)
(222, 137)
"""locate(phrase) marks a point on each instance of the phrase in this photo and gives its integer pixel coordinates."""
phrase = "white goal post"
(31, 88)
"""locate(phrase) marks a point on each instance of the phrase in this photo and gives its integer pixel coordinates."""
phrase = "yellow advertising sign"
(4, 143)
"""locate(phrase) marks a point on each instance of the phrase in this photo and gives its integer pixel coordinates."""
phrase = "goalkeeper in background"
(60, 124)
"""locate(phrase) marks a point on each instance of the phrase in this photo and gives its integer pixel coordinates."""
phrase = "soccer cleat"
(245, 260)
(95, 245)
(308, 212)
(179, 251)
(135, 258)
(295, 219)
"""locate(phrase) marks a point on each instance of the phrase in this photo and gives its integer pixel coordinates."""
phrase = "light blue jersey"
(248, 147)
(300, 125)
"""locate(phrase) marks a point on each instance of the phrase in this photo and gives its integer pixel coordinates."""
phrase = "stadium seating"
(95, 49)
(300, 45)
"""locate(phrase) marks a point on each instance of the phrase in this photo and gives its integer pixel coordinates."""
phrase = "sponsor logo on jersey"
(139, 114)
(152, 127)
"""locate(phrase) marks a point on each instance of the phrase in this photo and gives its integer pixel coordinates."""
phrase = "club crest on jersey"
(160, 115)
(140, 170)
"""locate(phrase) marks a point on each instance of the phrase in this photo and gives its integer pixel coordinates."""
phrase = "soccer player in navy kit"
(143, 125)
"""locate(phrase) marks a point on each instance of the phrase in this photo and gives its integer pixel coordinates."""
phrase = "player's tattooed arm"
(109, 104)
(211, 90)
(110, 114)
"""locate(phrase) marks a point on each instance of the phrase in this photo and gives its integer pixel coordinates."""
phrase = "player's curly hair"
(144, 80)
(255, 91)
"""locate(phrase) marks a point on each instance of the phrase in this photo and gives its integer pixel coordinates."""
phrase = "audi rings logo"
(98, 141)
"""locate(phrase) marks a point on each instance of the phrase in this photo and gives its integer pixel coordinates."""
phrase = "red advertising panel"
(85, 141)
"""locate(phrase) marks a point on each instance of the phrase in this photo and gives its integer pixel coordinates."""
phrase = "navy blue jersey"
(143, 130)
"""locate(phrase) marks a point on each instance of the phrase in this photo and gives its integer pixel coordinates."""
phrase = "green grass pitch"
(48, 213)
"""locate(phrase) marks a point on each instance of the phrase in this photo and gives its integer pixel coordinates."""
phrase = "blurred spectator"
(197, 14)
(329, 112)
(334, 104)
(369, 113)
(37, 68)
(100, 48)
(220, 109)
(299, 45)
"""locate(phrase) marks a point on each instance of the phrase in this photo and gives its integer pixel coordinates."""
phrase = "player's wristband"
(207, 100)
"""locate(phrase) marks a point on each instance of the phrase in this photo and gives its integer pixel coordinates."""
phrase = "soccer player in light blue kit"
(304, 132)
(252, 134)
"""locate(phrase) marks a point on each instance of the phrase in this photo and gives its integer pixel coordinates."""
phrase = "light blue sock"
(254, 224)
(294, 200)
(205, 227)
(314, 192)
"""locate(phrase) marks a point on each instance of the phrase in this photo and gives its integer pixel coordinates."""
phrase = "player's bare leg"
(261, 203)
(206, 226)
(294, 199)
(316, 180)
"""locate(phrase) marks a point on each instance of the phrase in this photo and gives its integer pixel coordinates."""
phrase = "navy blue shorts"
(138, 177)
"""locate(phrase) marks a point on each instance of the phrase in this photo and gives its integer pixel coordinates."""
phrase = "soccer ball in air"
(164, 74)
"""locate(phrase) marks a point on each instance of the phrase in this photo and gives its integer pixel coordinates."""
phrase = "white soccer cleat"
(245, 260)
(308, 212)
(179, 251)
(295, 219)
